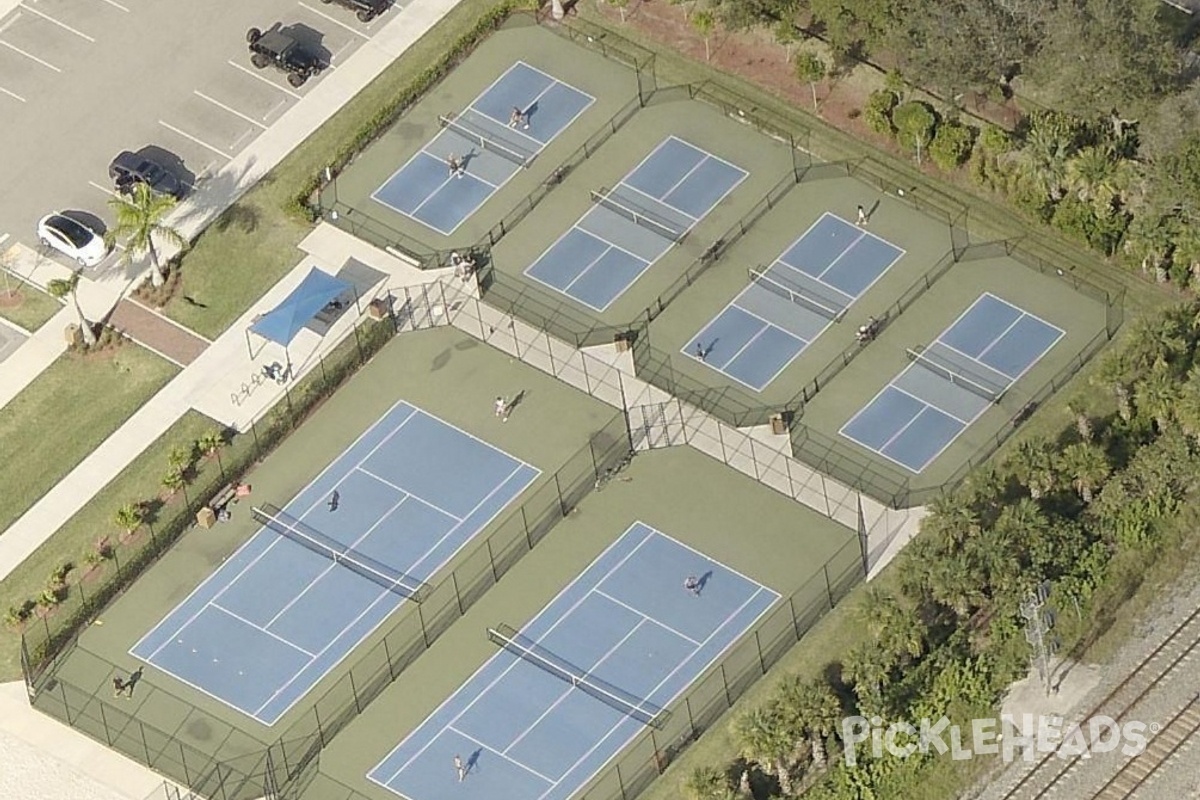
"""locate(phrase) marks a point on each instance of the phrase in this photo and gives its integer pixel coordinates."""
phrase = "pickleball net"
(461, 125)
(649, 221)
(323, 545)
(763, 280)
(954, 373)
(526, 649)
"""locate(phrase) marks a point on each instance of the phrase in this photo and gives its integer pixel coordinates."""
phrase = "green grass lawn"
(237, 259)
(65, 413)
(32, 307)
(139, 480)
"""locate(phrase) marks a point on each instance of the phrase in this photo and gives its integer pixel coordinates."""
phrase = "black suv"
(129, 169)
(365, 10)
(277, 48)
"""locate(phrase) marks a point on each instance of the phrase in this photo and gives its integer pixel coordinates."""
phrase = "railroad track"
(1139, 769)
(1050, 770)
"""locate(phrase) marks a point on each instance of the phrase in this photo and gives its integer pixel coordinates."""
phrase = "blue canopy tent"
(315, 294)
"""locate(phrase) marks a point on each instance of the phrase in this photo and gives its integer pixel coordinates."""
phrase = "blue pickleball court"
(635, 223)
(786, 306)
(277, 616)
(626, 626)
(952, 382)
(491, 147)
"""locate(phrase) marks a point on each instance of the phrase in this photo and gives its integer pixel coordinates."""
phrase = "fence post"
(725, 686)
(562, 503)
(828, 586)
(762, 662)
(687, 706)
(457, 594)
(354, 691)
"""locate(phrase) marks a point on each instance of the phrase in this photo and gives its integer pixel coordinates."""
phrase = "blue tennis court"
(325, 571)
(790, 303)
(950, 383)
(490, 143)
(632, 225)
(627, 628)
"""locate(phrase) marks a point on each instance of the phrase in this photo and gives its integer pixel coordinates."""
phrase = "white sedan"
(73, 239)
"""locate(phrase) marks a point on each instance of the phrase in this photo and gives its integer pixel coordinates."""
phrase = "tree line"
(1111, 157)
(1087, 509)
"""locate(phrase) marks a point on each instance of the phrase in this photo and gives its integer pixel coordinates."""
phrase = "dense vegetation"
(1112, 155)
(1087, 510)
(1108, 153)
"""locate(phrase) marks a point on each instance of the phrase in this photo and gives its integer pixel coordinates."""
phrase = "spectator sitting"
(867, 331)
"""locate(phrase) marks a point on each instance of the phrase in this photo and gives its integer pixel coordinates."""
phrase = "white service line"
(256, 76)
(189, 137)
(30, 56)
(233, 111)
(13, 95)
(337, 22)
(62, 25)
(115, 4)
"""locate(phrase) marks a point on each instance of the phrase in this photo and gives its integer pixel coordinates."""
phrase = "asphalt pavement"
(81, 80)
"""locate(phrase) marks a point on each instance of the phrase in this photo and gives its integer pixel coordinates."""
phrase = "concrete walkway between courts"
(39, 757)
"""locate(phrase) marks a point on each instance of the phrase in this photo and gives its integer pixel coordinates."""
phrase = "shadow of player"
(133, 681)
(473, 761)
(871, 211)
(530, 111)
(517, 400)
(704, 579)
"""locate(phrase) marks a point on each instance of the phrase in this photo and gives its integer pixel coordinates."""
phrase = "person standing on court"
(459, 768)
(456, 166)
(862, 217)
(518, 118)
(692, 584)
(501, 409)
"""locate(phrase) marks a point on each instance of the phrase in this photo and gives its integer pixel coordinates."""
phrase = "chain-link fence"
(695, 711)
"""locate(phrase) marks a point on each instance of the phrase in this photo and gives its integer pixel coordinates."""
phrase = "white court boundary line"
(648, 532)
(254, 540)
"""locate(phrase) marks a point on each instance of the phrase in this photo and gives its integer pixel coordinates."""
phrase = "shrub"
(878, 112)
(914, 123)
(951, 145)
(995, 140)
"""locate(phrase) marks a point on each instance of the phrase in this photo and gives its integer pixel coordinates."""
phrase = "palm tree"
(1157, 394)
(1187, 409)
(1083, 422)
(1033, 466)
(1087, 466)
(951, 522)
(1045, 158)
(66, 287)
(867, 666)
(1114, 374)
(139, 221)
(815, 711)
(897, 630)
(1149, 241)
(129, 517)
(708, 783)
(763, 739)
(1098, 177)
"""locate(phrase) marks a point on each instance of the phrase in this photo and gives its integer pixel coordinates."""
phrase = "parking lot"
(81, 80)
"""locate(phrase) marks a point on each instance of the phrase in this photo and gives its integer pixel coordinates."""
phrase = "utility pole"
(1038, 622)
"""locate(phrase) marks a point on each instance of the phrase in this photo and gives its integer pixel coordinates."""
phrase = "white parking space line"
(62, 25)
(115, 4)
(191, 138)
(13, 95)
(30, 56)
(337, 22)
(233, 111)
(278, 106)
(256, 76)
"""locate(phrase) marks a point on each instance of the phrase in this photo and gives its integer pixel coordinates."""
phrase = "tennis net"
(527, 649)
(651, 222)
(459, 125)
(763, 279)
(338, 553)
(991, 391)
